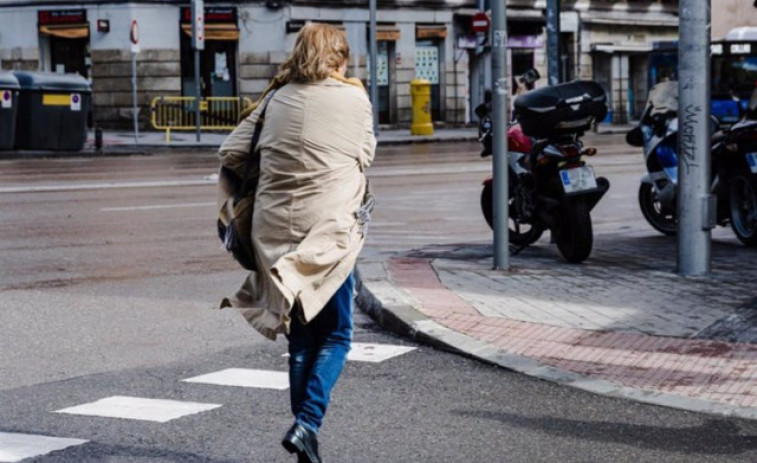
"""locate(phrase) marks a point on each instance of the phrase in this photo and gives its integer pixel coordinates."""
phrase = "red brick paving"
(711, 370)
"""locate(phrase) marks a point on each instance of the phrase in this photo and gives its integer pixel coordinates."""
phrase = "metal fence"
(178, 112)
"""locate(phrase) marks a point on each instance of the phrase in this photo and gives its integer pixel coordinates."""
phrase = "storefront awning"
(629, 18)
(431, 32)
(612, 48)
(225, 31)
(67, 31)
(387, 33)
(513, 14)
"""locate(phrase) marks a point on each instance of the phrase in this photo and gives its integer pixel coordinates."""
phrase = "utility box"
(8, 107)
(420, 91)
(53, 111)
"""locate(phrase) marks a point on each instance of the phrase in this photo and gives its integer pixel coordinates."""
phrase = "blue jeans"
(317, 354)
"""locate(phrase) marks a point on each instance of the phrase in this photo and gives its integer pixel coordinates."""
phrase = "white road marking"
(104, 186)
(16, 446)
(244, 377)
(136, 408)
(373, 353)
(154, 206)
(376, 353)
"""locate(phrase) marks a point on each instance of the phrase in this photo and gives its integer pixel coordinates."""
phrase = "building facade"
(246, 41)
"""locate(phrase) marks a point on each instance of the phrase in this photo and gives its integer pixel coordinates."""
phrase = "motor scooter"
(550, 186)
(733, 166)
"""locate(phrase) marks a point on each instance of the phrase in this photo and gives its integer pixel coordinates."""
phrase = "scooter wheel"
(743, 199)
(663, 222)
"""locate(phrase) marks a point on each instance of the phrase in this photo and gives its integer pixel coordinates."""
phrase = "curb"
(152, 149)
(408, 322)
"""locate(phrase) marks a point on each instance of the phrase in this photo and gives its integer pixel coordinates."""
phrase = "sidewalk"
(622, 324)
(123, 141)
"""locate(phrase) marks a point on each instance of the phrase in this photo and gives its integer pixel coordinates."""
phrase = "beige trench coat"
(316, 142)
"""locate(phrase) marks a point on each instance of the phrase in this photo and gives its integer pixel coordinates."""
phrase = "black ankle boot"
(301, 440)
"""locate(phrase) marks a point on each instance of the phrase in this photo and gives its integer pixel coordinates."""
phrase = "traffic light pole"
(198, 24)
(499, 132)
(553, 41)
(696, 204)
(373, 46)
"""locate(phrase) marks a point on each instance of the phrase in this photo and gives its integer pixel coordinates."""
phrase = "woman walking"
(308, 220)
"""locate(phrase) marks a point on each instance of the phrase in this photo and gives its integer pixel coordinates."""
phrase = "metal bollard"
(98, 139)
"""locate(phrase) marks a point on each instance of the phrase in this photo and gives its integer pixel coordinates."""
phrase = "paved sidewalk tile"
(707, 370)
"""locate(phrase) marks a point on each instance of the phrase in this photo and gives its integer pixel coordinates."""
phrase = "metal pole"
(198, 94)
(373, 45)
(480, 62)
(553, 41)
(499, 142)
(134, 96)
(198, 43)
(696, 204)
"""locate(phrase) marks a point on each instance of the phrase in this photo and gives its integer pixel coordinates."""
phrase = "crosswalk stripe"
(244, 377)
(17, 446)
(374, 353)
(137, 408)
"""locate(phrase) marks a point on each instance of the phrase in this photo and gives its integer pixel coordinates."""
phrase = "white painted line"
(16, 446)
(244, 377)
(104, 186)
(136, 408)
(155, 206)
(375, 353)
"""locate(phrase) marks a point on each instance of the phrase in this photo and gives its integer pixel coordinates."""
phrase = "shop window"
(218, 61)
(66, 34)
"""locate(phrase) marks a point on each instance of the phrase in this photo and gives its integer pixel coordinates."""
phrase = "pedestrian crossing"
(15, 447)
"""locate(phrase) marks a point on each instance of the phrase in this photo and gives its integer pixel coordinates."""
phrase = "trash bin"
(8, 107)
(53, 110)
(420, 90)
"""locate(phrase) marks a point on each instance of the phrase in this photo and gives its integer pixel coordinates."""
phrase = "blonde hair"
(319, 50)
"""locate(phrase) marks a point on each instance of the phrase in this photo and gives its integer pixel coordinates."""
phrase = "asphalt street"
(109, 268)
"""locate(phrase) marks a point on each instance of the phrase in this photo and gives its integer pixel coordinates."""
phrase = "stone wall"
(158, 74)
(19, 59)
(456, 91)
(256, 71)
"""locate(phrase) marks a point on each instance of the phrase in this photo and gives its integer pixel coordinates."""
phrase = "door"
(383, 83)
(69, 55)
(427, 67)
(217, 68)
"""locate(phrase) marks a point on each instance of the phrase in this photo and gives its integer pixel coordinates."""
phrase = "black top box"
(563, 109)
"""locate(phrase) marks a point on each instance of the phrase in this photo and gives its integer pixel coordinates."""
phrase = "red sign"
(480, 23)
(134, 32)
(213, 14)
(51, 17)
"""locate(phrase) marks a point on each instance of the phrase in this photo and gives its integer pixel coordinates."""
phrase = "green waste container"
(8, 107)
(53, 111)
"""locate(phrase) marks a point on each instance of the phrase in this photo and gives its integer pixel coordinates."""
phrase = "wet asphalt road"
(109, 268)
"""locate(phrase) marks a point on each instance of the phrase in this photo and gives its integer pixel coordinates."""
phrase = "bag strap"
(251, 156)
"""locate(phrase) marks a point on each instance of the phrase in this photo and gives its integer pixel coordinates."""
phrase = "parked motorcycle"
(733, 166)
(550, 185)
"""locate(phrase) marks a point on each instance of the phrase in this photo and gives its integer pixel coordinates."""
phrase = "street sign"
(75, 102)
(134, 36)
(480, 23)
(198, 25)
(7, 100)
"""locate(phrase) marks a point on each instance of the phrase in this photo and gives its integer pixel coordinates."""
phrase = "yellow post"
(420, 90)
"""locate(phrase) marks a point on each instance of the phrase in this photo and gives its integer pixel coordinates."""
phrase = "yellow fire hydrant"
(420, 90)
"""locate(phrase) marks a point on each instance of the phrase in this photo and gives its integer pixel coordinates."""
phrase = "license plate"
(751, 158)
(578, 179)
